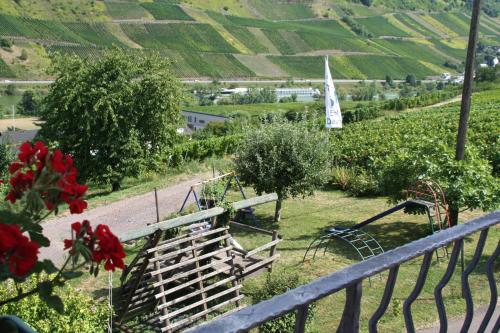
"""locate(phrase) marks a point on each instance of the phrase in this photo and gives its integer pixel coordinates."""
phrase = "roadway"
(235, 81)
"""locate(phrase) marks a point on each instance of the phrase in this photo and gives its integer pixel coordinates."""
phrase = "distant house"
(198, 120)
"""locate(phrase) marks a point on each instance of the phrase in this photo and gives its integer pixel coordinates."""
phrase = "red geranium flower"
(108, 249)
(17, 250)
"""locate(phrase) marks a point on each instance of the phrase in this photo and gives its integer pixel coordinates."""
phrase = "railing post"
(301, 318)
(352, 309)
(272, 252)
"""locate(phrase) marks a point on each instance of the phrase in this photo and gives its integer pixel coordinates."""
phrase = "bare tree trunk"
(277, 212)
(453, 216)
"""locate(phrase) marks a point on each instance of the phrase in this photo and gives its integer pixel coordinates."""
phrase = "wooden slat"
(187, 321)
(195, 217)
(262, 248)
(197, 292)
(203, 301)
(197, 246)
(187, 262)
(166, 245)
(193, 271)
(191, 282)
(200, 283)
(161, 289)
(260, 264)
(249, 227)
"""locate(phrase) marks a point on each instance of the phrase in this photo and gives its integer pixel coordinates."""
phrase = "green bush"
(82, 313)
(277, 284)
(342, 177)
(362, 184)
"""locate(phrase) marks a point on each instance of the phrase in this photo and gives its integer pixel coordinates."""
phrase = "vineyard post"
(467, 92)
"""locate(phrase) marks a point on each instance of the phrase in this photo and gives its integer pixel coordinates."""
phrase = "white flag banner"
(333, 115)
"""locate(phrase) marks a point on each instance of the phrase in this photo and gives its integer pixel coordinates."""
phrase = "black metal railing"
(351, 279)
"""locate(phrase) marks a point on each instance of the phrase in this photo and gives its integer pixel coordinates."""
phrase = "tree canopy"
(115, 114)
(285, 158)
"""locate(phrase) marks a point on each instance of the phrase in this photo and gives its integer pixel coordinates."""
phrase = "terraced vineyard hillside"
(252, 38)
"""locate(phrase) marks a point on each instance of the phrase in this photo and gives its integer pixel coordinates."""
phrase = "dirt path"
(437, 105)
(121, 216)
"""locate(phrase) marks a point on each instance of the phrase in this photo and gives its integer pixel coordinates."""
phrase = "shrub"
(5, 43)
(362, 184)
(82, 313)
(342, 177)
(24, 55)
(277, 284)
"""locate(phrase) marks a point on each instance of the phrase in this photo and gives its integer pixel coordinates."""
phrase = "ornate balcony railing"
(351, 279)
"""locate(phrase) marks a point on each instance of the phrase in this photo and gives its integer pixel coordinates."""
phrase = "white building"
(198, 120)
(303, 94)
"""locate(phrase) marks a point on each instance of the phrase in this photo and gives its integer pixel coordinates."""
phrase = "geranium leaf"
(39, 238)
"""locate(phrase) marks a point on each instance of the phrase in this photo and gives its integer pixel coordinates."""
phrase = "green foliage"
(108, 119)
(29, 103)
(488, 74)
(398, 151)
(421, 100)
(24, 55)
(6, 157)
(467, 184)
(356, 27)
(164, 11)
(276, 284)
(5, 43)
(95, 33)
(178, 36)
(35, 28)
(253, 96)
(5, 71)
(280, 11)
(285, 158)
(10, 90)
(411, 49)
(247, 38)
(355, 66)
(341, 177)
(411, 80)
(415, 25)
(82, 313)
(380, 26)
(125, 10)
(201, 149)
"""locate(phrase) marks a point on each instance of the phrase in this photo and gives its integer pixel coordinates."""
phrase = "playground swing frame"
(230, 176)
(425, 193)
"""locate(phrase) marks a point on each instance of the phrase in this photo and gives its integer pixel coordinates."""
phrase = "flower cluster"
(102, 244)
(16, 250)
(45, 179)
(51, 174)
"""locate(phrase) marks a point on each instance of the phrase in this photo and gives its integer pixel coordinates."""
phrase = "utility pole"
(467, 91)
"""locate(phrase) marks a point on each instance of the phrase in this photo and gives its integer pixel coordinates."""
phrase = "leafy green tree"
(10, 90)
(28, 105)
(24, 55)
(468, 184)
(114, 114)
(411, 80)
(285, 158)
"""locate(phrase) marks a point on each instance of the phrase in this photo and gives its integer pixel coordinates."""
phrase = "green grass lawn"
(303, 220)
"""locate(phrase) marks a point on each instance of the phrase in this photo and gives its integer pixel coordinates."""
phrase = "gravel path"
(121, 216)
